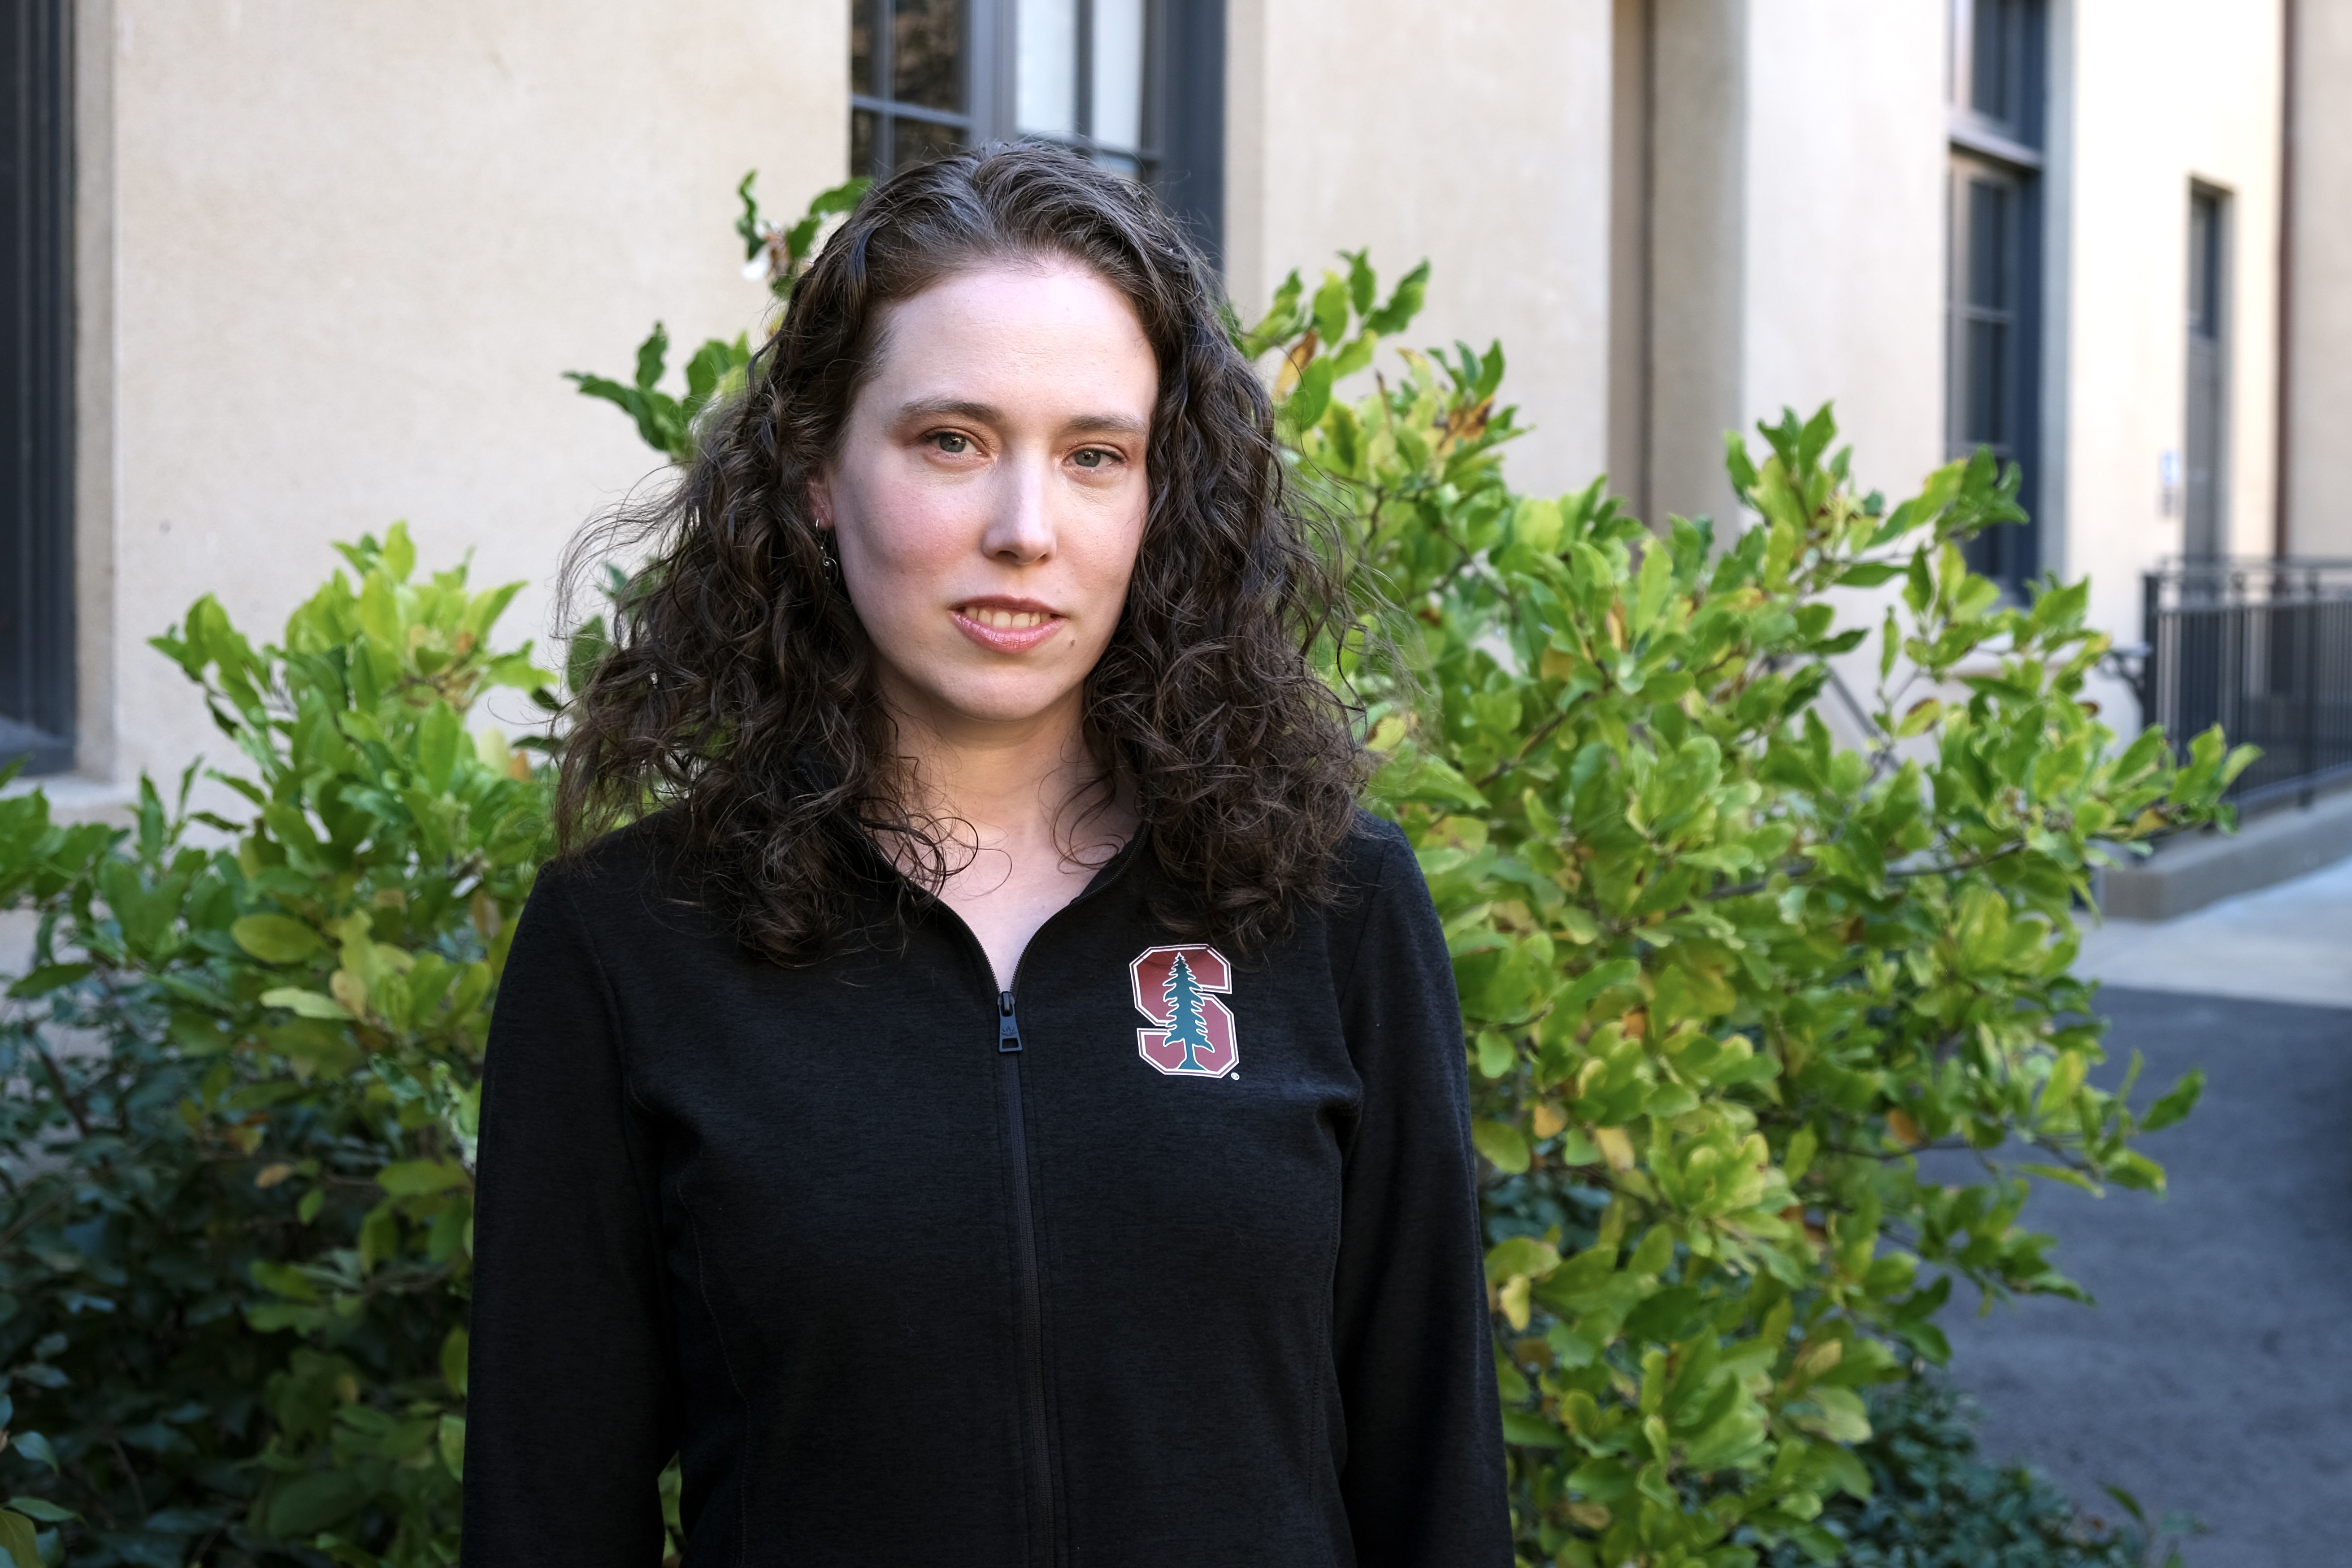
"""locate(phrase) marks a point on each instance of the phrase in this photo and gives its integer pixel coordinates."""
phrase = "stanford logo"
(1178, 989)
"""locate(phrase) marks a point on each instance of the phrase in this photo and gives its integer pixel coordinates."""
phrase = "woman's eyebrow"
(961, 408)
(1105, 425)
(989, 414)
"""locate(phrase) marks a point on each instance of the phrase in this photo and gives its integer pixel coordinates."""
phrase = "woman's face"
(988, 496)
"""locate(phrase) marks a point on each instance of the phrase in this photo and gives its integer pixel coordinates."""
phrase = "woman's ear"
(820, 498)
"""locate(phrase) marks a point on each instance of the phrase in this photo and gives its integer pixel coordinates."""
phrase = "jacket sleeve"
(1423, 1480)
(572, 1408)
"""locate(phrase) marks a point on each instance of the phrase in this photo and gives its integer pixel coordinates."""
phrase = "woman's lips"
(1007, 625)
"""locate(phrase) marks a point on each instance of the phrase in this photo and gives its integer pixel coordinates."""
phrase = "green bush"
(1934, 1502)
(238, 1208)
(1722, 977)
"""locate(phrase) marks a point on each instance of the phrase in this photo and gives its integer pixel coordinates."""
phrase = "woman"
(1007, 1106)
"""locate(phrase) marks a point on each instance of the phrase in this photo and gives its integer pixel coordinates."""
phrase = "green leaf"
(452, 1445)
(1526, 1430)
(651, 355)
(301, 1506)
(16, 1534)
(1404, 304)
(49, 977)
(276, 938)
(283, 1279)
(43, 1510)
(1505, 1146)
(2177, 1104)
(410, 1178)
(437, 745)
(34, 1447)
(1331, 309)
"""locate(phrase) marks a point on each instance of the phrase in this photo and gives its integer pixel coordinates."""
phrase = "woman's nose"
(1019, 534)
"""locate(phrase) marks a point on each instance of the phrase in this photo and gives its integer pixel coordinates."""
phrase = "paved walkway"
(2215, 1375)
(2291, 943)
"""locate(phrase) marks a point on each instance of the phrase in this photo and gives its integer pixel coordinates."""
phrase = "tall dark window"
(36, 686)
(1138, 85)
(1994, 286)
(2204, 534)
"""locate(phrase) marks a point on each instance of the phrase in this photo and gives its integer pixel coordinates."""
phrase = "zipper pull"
(1008, 1029)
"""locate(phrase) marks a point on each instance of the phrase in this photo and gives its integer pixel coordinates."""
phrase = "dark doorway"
(2204, 536)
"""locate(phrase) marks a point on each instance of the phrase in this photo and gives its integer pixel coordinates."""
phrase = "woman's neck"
(1023, 814)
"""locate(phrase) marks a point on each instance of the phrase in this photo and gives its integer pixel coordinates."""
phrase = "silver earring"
(824, 549)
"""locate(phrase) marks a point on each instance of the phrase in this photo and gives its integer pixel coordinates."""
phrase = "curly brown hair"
(740, 690)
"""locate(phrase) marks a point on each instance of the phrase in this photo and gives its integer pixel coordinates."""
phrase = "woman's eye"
(953, 445)
(1091, 457)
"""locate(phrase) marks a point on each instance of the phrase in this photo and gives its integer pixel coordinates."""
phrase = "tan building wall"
(1475, 135)
(351, 248)
(2319, 495)
(333, 259)
(2162, 94)
(1844, 290)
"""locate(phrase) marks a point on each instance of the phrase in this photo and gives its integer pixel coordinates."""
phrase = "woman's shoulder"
(1369, 854)
(630, 873)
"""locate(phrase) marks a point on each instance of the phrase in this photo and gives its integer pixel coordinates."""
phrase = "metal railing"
(2263, 649)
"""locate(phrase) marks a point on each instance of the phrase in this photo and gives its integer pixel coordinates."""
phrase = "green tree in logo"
(1185, 1023)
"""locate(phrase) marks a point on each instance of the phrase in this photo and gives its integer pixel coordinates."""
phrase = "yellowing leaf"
(306, 1004)
(1548, 1118)
(1513, 1300)
(350, 991)
(1521, 1255)
(1615, 1147)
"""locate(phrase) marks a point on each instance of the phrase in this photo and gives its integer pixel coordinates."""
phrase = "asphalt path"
(2214, 1376)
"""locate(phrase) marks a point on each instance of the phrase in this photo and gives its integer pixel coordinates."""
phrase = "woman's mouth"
(1007, 625)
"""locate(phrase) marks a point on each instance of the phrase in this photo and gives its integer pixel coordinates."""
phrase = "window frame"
(2004, 148)
(1183, 138)
(36, 388)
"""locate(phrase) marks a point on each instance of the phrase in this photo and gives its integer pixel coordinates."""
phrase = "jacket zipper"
(1033, 1295)
(1024, 1216)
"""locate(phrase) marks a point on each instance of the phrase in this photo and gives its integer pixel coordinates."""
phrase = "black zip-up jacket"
(1142, 1262)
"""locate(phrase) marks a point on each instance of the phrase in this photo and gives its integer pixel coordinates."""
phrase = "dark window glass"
(1988, 244)
(865, 133)
(861, 47)
(1993, 355)
(915, 142)
(2205, 265)
(36, 675)
(927, 53)
(910, 81)
(2001, 57)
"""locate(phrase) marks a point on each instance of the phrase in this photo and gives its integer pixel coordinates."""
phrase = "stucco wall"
(2164, 93)
(1845, 286)
(2319, 503)
(351, 249)
(1476, 135)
